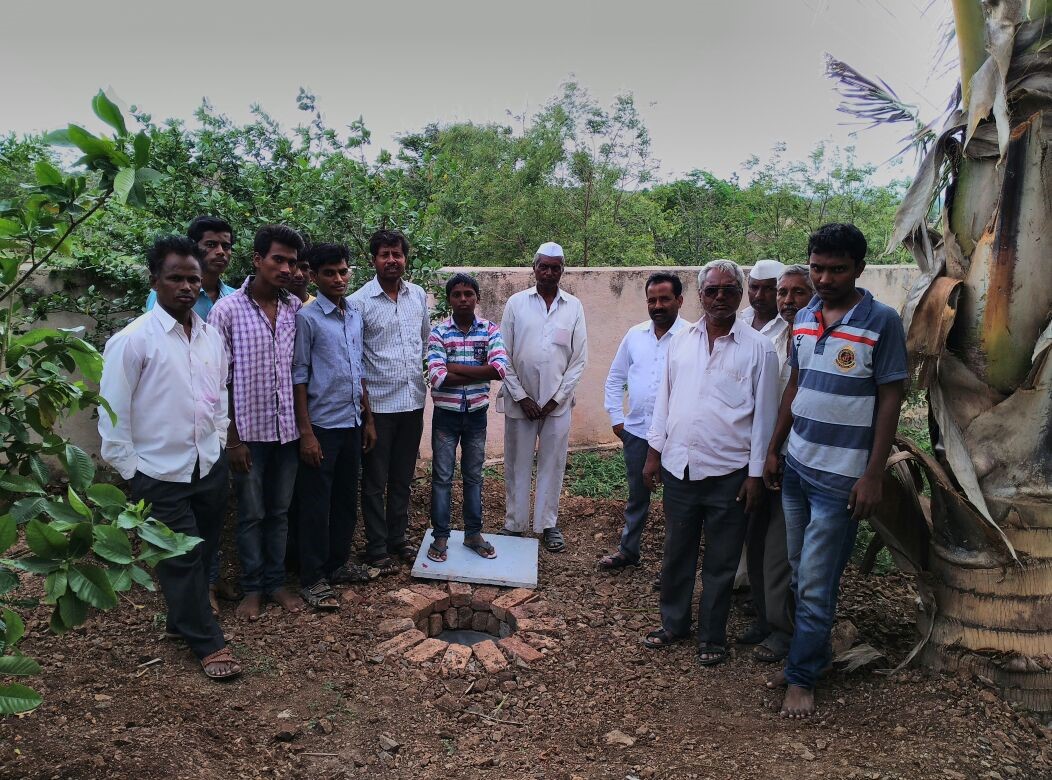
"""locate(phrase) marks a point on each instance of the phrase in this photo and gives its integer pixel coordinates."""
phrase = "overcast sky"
(716, 81)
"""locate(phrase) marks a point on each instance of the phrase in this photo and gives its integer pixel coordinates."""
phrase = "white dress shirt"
(777, 330)
(394, 345)
(169, 395)
(639, 364)
(547, 351)
(715, 413)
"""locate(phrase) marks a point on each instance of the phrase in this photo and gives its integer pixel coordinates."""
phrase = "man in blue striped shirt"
(847, 380)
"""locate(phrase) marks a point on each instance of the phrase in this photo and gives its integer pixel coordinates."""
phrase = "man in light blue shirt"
(639, 365)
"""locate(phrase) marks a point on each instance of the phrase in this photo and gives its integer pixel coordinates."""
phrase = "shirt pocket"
(561, 337)
(728, 388)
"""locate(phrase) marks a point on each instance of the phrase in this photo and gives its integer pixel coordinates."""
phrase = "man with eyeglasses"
(713, 417)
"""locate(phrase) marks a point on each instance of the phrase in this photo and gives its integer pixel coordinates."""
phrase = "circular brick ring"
(419, 613)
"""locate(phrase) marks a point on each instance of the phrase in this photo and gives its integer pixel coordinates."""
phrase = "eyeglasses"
(729, 290)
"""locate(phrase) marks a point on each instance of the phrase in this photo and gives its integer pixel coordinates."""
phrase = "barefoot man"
(848, 372)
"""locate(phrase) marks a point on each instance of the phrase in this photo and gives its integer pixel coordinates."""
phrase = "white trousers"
(521, 439)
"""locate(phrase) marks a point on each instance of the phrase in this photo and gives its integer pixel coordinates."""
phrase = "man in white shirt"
(396, 326)
(713, 414)
(164, 376)
(547, 345)
(639, 365)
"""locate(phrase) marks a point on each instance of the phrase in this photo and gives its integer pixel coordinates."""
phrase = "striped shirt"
(260, 364)
(394, 345)
(482, 345)
(840, 367)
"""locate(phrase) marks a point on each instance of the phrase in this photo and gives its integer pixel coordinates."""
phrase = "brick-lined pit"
(419, 613)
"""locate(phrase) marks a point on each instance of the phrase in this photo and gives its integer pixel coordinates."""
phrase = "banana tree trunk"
(978, 328)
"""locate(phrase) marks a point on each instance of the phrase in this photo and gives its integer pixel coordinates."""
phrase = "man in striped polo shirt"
(842, 402)
(464, 354)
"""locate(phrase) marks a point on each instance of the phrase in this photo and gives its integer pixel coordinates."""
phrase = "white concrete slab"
(514, 567)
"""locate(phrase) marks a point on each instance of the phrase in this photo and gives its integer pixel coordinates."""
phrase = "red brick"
(410, 604)
(538, 641)
(455, 661)
(492, 624)
(426, 650)
(482, 598)
(479, 621)
(439, 598)
(540, 625)
(397, 644)
(451, 618)
(489, 656)
(513, 598)
(464, 614)
(434, 624)
(393, 626)
(459, 594)
(516, 648)
(422, 625)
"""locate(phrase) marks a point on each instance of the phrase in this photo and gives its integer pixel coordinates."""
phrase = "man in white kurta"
(544, 335)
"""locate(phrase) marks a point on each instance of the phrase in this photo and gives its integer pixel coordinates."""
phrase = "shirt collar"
(376, 290)
(451, 323)
(676, 326)
(283, 294)
(860, 309)
(327, 306)
(736, 328)
(560, 294)
(168, 323)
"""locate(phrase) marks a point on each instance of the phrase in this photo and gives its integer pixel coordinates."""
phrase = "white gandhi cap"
(766, 269)
(550, 249)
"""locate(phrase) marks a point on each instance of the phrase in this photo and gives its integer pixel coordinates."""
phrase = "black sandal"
(406, 551)
(321, 596)
(481, 546)
(436, 553)
(767, 653)
(616, 562)
(385, 565)
(660, 639)
(718, 653)
(553, 540)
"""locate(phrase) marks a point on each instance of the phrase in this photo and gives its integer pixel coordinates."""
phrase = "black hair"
(276, 234)
(382, 238)
(163, 246)
(838, 239)
(467, 279)
(660, 277)
(327, 254)
(204, 223)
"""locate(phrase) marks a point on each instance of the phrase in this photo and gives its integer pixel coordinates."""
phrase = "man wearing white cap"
(762, 316)
(547, 346)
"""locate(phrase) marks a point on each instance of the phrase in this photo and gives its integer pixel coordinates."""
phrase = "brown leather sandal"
(222, 656)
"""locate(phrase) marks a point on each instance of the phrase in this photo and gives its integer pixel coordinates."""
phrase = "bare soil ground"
(313, 703)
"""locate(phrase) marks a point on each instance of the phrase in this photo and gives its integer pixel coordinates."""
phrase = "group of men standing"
(295, 396)
(767, 429)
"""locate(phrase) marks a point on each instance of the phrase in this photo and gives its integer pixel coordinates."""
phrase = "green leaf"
(8, 581)
(129, 520)
(80, 539)
(122, 184)
(78, 506)
(89, 363)
(91, 584)
(106, 110)
(72, 610)
(27, 508)
(64, 515)
(79, 467)
(45, 541)
(112, 544)
(58, 138)
(31, 563)
(142, 577)
(8, 532)
(91, 145)
(39, 469)
(54, 587)
(9, 227)
(14, 629)
(16, 483)
(159, 535)
(103, 494)
(142, 149)
(18, 665)
(47, 174)
(16, 698)
(148, 175)
(120, 579)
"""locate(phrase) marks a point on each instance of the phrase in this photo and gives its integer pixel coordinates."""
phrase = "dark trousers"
(638, 505)
(328, 503)
(263, 498)
(387, 472)
(195, 508)
(690, 507)
(770, 576)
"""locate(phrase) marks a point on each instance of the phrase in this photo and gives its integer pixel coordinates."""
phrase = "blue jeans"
(820, 535)
(263, 498)
(447, 430)
(638, 505)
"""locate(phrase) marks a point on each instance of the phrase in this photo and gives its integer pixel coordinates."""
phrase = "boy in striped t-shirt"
(842, 402)
(464, 354)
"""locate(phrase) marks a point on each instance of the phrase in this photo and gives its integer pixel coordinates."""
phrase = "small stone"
(489, 656)
(284, 715)
(513, 598)
(434, 624)
(449, 703)
(541, 625)
(516, 648)
(388, 744)
(843, 637)
(286, 735)
(483, 597)
(504, 630)
(325, 725)
(451, 618)
(459, 594)
(403, 641)
(426, 650)
(802, 750)
(352, 598)
(618, 737)
(438, 597)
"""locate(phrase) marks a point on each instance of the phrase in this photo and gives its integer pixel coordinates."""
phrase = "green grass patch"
(597, 475)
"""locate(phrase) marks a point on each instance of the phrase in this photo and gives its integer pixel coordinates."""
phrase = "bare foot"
(251, 607)
(776, 680)
(799, 703)
(213, 600)
(227, 590)
(287, 600)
